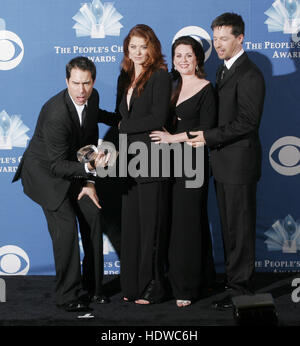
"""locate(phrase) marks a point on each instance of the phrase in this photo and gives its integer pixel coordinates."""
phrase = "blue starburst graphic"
(12, 131)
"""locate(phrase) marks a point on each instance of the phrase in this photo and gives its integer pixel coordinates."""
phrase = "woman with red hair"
(144, 89)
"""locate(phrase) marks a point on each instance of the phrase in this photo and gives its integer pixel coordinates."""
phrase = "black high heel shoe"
(150, 295)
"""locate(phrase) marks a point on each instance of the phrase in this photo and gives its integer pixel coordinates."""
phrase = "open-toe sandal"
(182, 303)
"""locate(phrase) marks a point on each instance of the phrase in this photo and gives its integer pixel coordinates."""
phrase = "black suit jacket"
(147, 112)
(50, 164)
(235, 145)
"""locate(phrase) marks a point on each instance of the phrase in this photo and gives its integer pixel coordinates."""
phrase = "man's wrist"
(189, 135)
(89, 169)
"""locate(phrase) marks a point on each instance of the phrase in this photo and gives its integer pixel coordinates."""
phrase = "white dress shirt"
(231, 61)
(79, 109)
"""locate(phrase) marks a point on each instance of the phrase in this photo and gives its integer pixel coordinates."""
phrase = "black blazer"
(235, 145)
(50, 164)
(147, 112)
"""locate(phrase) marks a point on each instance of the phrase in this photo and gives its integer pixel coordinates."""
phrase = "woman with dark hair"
(193, 102)
(144, 90)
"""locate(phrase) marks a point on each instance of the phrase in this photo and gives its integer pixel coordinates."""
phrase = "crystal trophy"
(291, 22)
(290, 227)
(110, 150)
(89, 153)
(98, 26)
(5, 125)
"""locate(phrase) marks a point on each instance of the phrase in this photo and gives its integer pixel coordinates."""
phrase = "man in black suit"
(65, 188)
(236, 152)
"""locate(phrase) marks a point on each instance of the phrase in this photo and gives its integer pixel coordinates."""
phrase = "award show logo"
(286, 151)
(97, 20)
(12, 131)
(284, 15)
(11, 48)
(284, 236)
(198, 34)
(13, 261)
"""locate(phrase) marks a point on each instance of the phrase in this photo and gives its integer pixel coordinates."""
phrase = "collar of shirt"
(79, 109)
(231, 61)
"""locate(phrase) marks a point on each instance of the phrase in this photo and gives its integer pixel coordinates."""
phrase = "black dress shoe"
(101, 299)
(76, 306)
(223, 304)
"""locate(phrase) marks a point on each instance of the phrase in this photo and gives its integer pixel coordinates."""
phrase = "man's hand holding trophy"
(97, 158)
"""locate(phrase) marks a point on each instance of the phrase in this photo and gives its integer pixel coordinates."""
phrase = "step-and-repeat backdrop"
(38, 38)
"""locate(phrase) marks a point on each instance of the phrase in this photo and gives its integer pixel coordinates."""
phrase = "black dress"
(191, 265)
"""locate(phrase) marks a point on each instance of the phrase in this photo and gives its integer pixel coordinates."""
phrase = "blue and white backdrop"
(38, 38)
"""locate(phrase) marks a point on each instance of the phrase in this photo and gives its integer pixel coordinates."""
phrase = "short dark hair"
(200, 56)
(230, 19)
(82, 63)
(197, 49)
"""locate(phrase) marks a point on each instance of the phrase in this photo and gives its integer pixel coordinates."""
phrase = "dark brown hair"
(82, 63)
(230, 19)
(200, 57)
(154, 61)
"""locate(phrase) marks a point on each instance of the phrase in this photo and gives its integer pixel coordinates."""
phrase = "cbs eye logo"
(198, 34)
(11, 48)
(284, 155)
(13, 261)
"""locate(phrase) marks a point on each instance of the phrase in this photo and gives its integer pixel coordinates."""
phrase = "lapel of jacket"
(132, 99)
(91, 110)
(72, 111)
(124, 109)
(232, 70)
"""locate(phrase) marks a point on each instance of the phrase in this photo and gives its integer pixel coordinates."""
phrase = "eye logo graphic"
(284, 236)
(97, 20)
(284, 15)
(13, 261)
(198, 34)
(12, 131)
(11, 48)
(286, 150)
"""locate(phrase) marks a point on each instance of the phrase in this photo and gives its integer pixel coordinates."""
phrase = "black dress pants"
(143, 244)
(237, 208)
(62, 225)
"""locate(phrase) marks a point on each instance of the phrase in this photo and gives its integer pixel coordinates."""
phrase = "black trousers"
(237, 208)
(62, 225)
(143, 242)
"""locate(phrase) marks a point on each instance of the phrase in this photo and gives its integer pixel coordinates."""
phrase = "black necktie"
(83, 115)
(224, 72)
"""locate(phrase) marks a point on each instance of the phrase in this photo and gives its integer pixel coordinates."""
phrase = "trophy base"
(292, 26)
(5, 143)
(289, 246)
(97, 31)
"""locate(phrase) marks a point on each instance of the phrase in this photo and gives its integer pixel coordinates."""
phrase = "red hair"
(154, 61)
